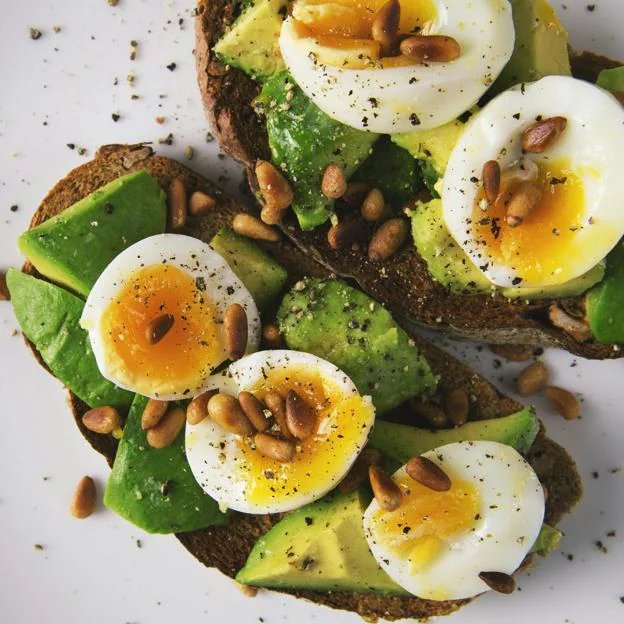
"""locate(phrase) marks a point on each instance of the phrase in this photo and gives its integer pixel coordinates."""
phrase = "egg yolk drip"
(342, 29)
(541, 247)
(333, 442)
(188, 351)
(427, 520)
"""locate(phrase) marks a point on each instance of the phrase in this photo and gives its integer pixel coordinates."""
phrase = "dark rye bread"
(227, 548)
(403, 282)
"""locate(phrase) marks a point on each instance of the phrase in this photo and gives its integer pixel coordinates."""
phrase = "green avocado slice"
(49, 315)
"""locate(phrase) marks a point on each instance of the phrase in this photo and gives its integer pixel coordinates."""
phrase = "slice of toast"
(227, 547)
(403, 283)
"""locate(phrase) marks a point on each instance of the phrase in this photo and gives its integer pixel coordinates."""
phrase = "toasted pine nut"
(167, 429)
(431, 413)
(373, 206)
(385, 28)
(457, 406)
(355, 193)
(428, 473)
(251, 227)
(577, 328)
(274, 401)
(538, 137)
(512, 352)
(359, 471)
(254, 410)
(491, 176)
(249, 590)
(197, 409)
(158, 328)
(153, 412)
(235, 331)
(84, 499)
(345, 233)
(276, 192)
(387, 492)
(103, 419)
(387, 239)
(334, 183)
(431, 48)
(532, 379)
(564, 401)
(5, 295)
(176, 200)
(271, 336)
(201, 203)
(498, 581)
(226, 411)
(300, 417)
(275, 448)
(523, 200)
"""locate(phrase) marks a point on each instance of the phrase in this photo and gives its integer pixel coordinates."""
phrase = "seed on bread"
(252, 227)
(430, 48)
(104, 419)
(334, 182)
(197, 409)
(235, 331)
(201, 204)
(564, 401)
(166, 431)
(254, 410)
(227, 412)
(385, 27)
(387, 240)
(346, 233)
(387, 493)
(427, 473)
(274, 448)
(541, 135)
(498, 581)
(276, 192)
(513, 352)
(176, 202)
(358, 474)
(373, 207)
(430, 412)
(153, 412)
(84, 499)
(532, 379)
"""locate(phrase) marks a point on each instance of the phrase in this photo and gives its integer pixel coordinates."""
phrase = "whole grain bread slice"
(403, 282)
(227, 547)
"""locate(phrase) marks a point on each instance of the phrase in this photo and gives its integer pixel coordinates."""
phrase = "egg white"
(511, 509)
(213, 453)
(415, 97)
(593, 141)
(198, 260)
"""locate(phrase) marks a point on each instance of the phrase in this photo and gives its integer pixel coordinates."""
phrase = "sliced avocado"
(303, 141)
(343, 325)
(605, 302)
(251, 43)
(48, 315)
(612, 79)
(401, 442)
(261, 274)
(541, 46)
(321, 547)
(155, 488)
(547, 540)
(75, 246)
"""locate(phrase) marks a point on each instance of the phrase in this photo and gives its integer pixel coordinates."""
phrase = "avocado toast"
(227, 546)
(416, 288)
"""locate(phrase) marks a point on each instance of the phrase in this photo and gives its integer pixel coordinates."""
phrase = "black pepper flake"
(601, 547)
(365, 122)
(230, 290)
(35, 34)
(516, 116)
(116, 117)
(108, 208)
(13, 208)
(555, 181)
(171, 66)
(373, 102)
(308, 520)
(414, 120)
(200, 283)
(516, 280)
(71, 146)
(164, 488)
(591, 8)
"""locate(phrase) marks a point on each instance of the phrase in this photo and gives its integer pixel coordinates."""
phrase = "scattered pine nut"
(430, 412)
(300, 417)
(578, 328)
(387, 492)
(373, 207)
(226, 411)
(387, 240)
(532, 379)
(271, 336)
(274, 448)
(249, 590)
(512, 352)
(103, 419)
(274, 401)
(355, 193)
(251, 227)
(431, 48)
(346, 233)
(153, 412)
(5, 295)
(254, 410)
(197, 409)
(385, 28)
(176, 200)
(276, 192)
(201, 203)
(498, 581)
(564, 401)
(428, 473)
(159, 328)
(167, 429)
(235, 331)
(491, 177)
(521, 203)
(457, 406)
(538, 137)
(334, 182)
(84, 499)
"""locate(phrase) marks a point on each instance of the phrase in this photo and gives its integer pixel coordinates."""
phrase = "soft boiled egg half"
(238, 476)
(328, 48)
(579, 217)
(172, 278)
(436, 544)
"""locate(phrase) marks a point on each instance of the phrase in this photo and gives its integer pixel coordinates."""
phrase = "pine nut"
(249, 590)
(158, 328)
(538, 137)
(431, 48)
(235, 331)
(197, 409)
(387, 493)
(334, 183)
(274, 448)
(271, 336)
(176, 200)
(300, 417)
(103, 419)
(251, 227)
(167, 429)
(522, 201)
(387, 239)
(513, 353)
(355, 193)
(277, 407)
(564, 401)
(577, 328)
(428, 473)
(153, 412)
(430, 412)
(491, 176)
(373, 207)
(226, 411)
(359, 471)
(84, 499)
(345, 233)
(532, 379)
(5, 295)
(254, 410)
(385, 28)
(457, 406)
(276, 192)
(201, 204)
(498, 581)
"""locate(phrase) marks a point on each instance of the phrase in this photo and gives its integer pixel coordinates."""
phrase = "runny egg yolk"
(342, 29)
(539, 249)
(187, 352)
(427, 519)
(319, 456)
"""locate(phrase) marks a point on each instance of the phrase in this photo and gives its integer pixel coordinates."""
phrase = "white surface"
(92, 570)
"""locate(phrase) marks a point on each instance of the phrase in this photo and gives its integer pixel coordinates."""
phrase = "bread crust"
(402, 283)
(227, 547)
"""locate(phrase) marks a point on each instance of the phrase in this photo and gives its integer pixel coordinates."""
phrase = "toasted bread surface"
(227, 547)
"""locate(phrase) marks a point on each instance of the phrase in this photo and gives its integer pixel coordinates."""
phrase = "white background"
(60, 89)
